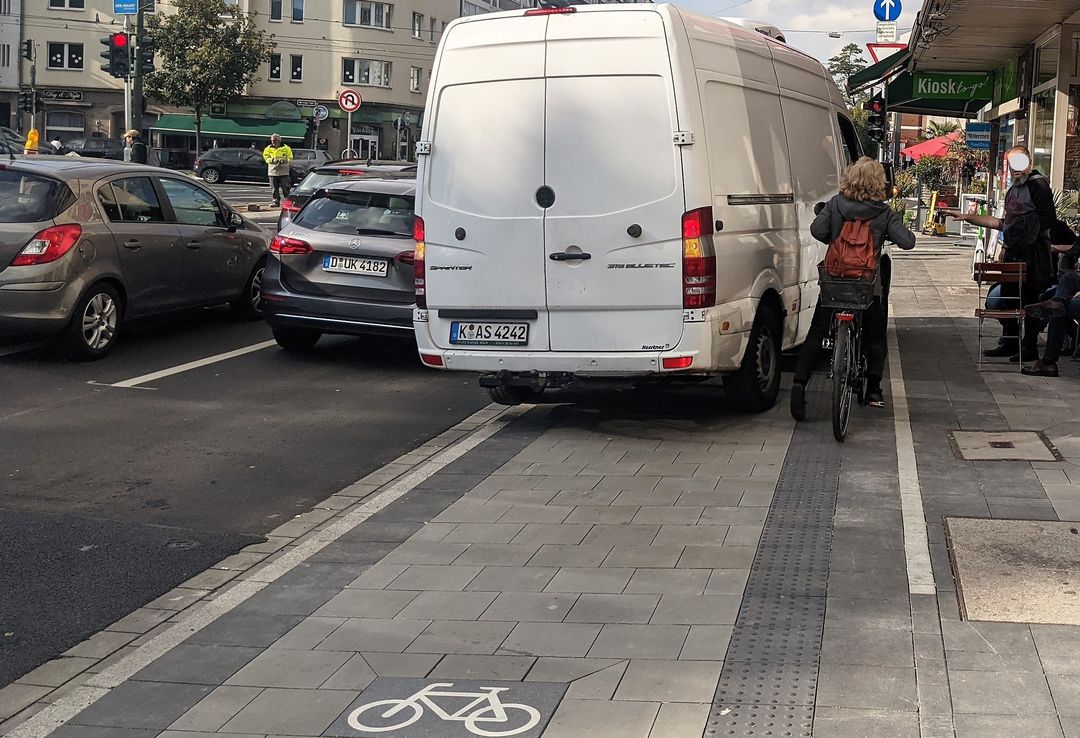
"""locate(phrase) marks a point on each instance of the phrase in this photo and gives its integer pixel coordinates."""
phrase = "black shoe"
(1002, 349)
(875, 397)
(1046, 309)
(798, 401)
(1041, 368)
(1025, 355)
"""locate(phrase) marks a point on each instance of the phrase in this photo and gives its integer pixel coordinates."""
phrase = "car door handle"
(133, 245)
(564, 256)
(194, 245)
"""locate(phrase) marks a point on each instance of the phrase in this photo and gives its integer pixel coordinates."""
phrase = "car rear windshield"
(359, 213)
(315, 180)
(31, 198)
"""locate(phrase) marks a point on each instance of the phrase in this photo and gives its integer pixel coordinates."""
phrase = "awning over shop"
(232, 127)
(877, 73)
(933, 147)
(932, 93)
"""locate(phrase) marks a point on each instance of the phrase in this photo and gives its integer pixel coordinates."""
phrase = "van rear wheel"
(755, 386)
(504, 395)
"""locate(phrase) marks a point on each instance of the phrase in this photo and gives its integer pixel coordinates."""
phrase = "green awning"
(232, 127)
(902, 98)
(876, 73)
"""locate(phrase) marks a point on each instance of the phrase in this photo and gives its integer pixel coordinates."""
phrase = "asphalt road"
(111, 496)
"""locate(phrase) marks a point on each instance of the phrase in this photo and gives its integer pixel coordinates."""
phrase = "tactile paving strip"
(769, 681)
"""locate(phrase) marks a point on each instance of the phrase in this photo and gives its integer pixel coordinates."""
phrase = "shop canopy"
(232, 127)
(879, 72)
(952, 94)
(933, 147)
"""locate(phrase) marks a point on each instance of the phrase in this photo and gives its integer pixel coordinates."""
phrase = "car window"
(304, 155)
(364, 213)
(253, 156)
(30, 198)
(315, 180)
(192, 204)
(852, 147)
(131, 200)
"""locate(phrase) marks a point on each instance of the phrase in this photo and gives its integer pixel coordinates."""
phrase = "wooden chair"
(987, 274)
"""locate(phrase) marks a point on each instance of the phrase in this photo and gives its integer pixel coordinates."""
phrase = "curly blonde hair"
(864, 180)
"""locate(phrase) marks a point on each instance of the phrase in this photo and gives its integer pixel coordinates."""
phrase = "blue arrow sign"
(887, 11)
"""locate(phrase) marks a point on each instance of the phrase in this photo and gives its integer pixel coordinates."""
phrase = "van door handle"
(564, 256)
(133, 245)
(193, 245)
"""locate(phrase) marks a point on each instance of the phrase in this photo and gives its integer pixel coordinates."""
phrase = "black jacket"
(884, 222)
(138, 152)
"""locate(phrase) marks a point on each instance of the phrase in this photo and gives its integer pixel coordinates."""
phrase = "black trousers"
(874, 322)
(281, 185)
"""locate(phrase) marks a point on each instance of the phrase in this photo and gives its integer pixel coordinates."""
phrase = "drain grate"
(769, 680)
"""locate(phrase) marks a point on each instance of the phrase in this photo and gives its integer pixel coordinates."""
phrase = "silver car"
(86, 244)
(344, 264)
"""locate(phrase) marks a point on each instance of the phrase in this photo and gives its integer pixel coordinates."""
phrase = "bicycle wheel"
(354, 716)
(531, 717)
(842, 361)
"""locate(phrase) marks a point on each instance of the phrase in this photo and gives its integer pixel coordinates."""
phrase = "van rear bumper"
(712, 352)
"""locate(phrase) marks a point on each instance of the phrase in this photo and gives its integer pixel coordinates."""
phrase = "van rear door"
(614, 171)
(485, 257)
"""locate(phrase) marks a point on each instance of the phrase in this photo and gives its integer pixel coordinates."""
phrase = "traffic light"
(26, 101)
(28, 49)
(146, 51)
(875, 122)
(118, 54)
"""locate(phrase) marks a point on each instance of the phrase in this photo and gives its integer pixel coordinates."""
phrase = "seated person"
(1061, 309)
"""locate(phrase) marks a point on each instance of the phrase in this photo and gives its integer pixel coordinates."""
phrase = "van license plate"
(489, 334)
(356, 265)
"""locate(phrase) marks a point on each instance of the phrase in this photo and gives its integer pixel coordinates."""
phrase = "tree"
(932, 172)
(936, 129)
(211, 52)
(845, 63)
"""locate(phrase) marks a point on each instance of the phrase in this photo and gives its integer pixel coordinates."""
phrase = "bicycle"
(494, 711)
(848, 298)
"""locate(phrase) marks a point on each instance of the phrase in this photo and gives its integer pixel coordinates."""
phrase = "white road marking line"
(193, 365)
(94, 383)
(916, 541)
(98, 685)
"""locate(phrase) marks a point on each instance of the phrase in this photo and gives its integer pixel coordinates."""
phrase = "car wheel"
(514, 395)
(212, 176)
(249, 304)
(296, 339)
(94, 324)
(757, 383)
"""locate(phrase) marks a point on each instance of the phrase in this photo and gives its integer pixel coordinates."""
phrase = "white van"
(621, 192)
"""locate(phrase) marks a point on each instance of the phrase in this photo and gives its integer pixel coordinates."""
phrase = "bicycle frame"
(425, 698)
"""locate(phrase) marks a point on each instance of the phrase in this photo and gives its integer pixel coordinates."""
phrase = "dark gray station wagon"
(88, 244)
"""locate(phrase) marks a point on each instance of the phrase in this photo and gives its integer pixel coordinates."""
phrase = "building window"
(65, 56)
(64, 125)
(296, 68)
(417, 25)
(275, 10)
(433, 28)
(414, 78)
(365, 72)
(468, 9)
(275, 68)
(5, 55)
(64, 5)
(298, 11)
(366, 13)
(5, 7)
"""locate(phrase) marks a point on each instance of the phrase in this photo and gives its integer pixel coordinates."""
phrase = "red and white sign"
(883, 51)
(349, 101)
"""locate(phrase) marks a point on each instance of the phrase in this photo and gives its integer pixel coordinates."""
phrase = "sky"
(792, 16)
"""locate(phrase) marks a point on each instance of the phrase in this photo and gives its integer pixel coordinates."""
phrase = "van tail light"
(677, 362)
(431, 359)
(406, 257)
(551, 11)
(419, 276)
(288, 206)
(286, 246)
(699, 259)
(48, 245)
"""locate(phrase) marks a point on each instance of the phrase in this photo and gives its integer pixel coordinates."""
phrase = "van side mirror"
(235, 220)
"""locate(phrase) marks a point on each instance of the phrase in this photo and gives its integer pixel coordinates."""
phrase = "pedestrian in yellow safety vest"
(31, 142)
(278, 157)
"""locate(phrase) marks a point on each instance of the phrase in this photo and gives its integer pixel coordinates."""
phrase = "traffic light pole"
(137, 85)
(127, 82)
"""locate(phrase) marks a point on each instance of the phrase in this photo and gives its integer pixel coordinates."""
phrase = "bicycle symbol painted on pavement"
(486, 715)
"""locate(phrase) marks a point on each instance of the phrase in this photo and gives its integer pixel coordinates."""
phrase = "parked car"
(344, 265)
(335, 172)
(86, 245)
(229, 164)
(97, 148)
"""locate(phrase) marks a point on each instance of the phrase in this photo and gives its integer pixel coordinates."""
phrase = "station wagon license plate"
(489, 334)
(356, 265)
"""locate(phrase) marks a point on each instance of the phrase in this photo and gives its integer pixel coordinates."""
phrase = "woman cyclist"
(862, 197)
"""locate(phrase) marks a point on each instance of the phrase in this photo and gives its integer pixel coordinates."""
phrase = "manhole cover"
(1025, 571)
(1002, 446)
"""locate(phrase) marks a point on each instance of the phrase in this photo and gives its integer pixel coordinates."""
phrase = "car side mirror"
(818, 208)
(235, 221)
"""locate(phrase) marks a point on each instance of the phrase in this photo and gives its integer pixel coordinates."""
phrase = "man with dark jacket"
(137, 149)
(861, 198)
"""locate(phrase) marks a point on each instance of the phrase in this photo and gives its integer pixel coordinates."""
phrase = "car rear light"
(845, 317)
(289, 206)
(551, 11)
(406, 257)
(677, 362)
(431, 359)
(699, 260)
(284, 245)
(48, 245)
(198, 163)
(419, 277)
(351, 172)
